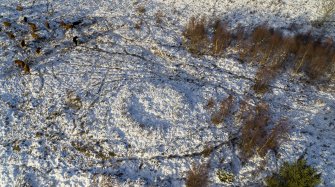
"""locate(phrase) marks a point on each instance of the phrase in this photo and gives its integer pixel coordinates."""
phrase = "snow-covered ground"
(126, 106)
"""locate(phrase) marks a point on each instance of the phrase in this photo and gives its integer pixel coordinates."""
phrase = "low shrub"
(297, 174)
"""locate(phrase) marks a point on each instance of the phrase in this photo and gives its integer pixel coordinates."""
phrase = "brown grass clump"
(210, 104)
(224, 109)
(314, 58)
(217, 118)
(35, 36)
(245, 110)
(138, 25)
(66, 26)
(33, 27)
(24, 66)
(38, 50)
(254, 131)
(159, 17)
(260, 33)
(141, 9)
(47, 25)
(22, 43)
(251, 46)
(303, 54)
(244, 46)
(271, 47)
(19, 8)
(274, 138)
(267, 47)
(207, 151)
(259, 37)
(221, 38)
(263, 77)
(6, 24)
(255, 138)
(196, 36)
(10, 35)
(273, 59)
(291, 44)
(197, 176)
(226, 104)
(320, 61)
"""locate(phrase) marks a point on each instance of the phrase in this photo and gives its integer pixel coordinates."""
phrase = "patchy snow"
(126, 106)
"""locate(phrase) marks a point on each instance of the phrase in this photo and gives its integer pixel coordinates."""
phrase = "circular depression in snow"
(153, 107)
(160, 118)
(156, 106)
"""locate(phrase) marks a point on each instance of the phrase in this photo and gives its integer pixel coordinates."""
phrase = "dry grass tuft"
(35, 36)
(263, 78)
(245, 110)
(256, 138)
(210, 104)
(207, 151)
(197, 39)
(268, 47)
(141, 9)
(225, 107)
(19, 8)
(10, 35)
(221, 38)
(138, 25)
(197, 176)
(159, 15)
(33, 27)
(66, 26)
(303, 54)
(24, 66)
(321, 59)
(274, 138)
(6, 24)
(254, 131)
(260, 33)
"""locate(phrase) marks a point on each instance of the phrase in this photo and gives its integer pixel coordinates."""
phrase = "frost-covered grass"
(127, 106)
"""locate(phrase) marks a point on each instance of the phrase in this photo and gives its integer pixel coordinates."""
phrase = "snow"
(126, 105)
